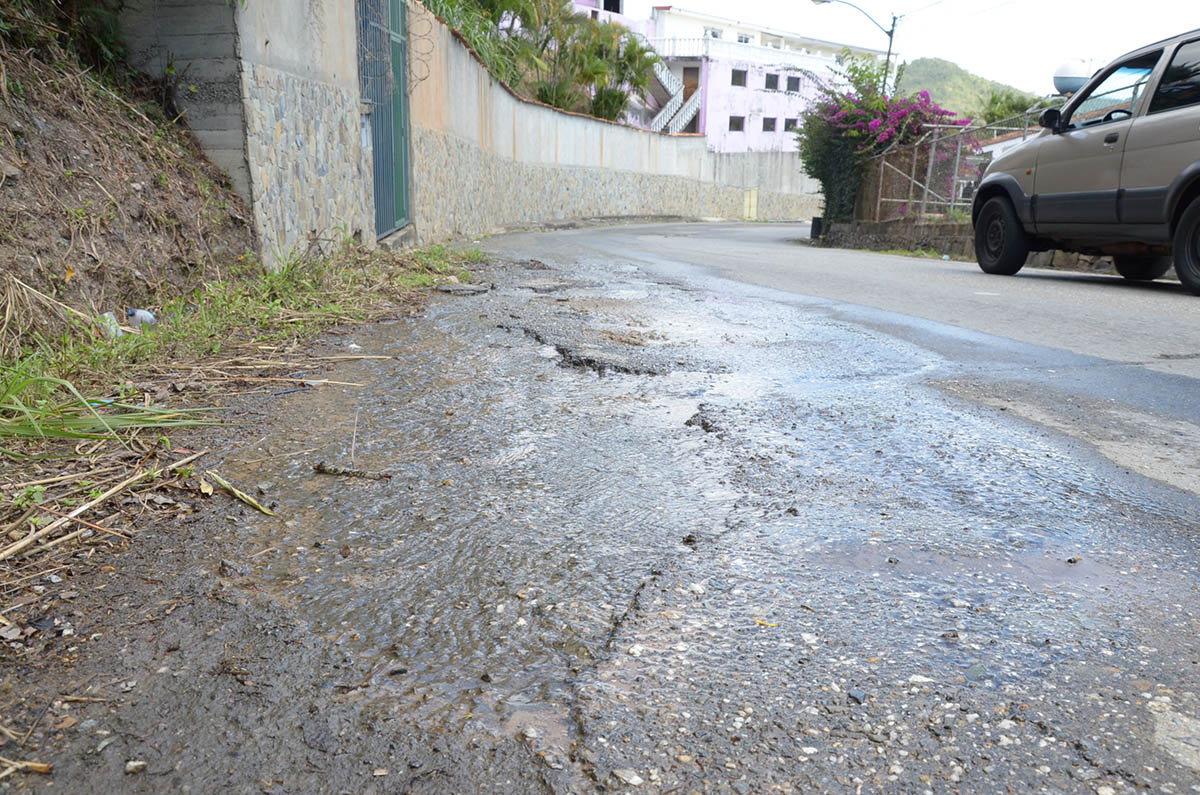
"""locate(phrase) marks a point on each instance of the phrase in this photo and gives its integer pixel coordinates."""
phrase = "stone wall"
(485, 160)
(309, 162)
(953, 239)
(310, 175)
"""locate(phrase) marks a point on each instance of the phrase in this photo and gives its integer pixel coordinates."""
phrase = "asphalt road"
(682, 508)
(1152, 325)
(1110, 363)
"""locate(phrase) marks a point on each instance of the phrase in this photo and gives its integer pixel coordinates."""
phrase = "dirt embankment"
(104, 203)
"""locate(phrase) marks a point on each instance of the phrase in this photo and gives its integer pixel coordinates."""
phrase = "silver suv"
(1116, 171)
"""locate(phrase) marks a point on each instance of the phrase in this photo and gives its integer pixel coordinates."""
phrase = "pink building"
(741, 85)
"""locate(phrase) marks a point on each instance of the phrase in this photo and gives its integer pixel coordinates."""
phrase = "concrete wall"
(754, 103)
(198, 40)
(484, 160)
(309, 162)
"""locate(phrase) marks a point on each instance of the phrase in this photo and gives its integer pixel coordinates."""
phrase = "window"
(789, 125)
(793, 84)
(769, 125)
(737, 123)
(772, 83)
(1180, 84)
(612, 5)
(712, 33)
(1116, 95)
(743, 38)
(739, 77)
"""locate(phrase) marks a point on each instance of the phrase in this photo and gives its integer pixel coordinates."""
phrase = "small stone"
(696, 588)
(379, 771)
(808, 750)
(1105, 790)
(956, 602)
(135, 766)
(636, 650)
(11, 173)
(895, 770)
(531, 733)
(976, 672)
(685, 758)
(857, 696)
(1085, 773)
(917, 679)
(808, 638)
(628, 776)
(1006, 724)
(230, 569)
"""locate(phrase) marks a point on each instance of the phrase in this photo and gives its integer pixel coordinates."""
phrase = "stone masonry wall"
(954, 239)
(309, 166)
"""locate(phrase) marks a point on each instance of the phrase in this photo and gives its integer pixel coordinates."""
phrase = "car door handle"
(1111, 138)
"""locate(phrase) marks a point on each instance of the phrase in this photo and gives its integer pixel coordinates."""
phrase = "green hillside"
(951, 86)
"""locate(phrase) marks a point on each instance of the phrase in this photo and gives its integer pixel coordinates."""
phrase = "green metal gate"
(382, 61)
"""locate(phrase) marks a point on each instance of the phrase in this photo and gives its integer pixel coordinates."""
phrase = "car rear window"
(1180, 84)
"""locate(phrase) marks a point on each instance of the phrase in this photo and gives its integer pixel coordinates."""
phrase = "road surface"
(684, 508)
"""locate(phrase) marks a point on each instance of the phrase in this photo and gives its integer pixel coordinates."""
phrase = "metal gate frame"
(382, 65)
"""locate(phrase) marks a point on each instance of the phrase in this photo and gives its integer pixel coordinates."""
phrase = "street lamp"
(890, 33)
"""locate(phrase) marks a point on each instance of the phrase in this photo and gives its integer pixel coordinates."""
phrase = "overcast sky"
(1019, 42)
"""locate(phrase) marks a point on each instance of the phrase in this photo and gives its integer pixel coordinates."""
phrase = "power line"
(924, 8)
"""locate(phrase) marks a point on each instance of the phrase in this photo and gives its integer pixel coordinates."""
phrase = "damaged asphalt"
(654, 530)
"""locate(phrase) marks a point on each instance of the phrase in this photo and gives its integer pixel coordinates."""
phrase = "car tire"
(1187, 247)
(1001, 245)
(1141, 268)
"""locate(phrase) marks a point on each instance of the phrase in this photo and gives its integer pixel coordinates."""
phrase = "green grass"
(67, 384)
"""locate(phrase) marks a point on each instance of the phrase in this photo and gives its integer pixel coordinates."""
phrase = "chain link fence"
(935, 178)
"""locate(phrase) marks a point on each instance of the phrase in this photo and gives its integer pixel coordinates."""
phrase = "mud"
(641, 532)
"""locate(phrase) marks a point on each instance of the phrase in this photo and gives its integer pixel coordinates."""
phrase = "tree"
(1005, 104)
(628, 65)
(547, 51)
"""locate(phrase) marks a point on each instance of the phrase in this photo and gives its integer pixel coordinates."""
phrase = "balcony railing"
(717, 49)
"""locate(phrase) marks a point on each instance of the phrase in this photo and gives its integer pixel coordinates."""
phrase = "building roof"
(783, 34)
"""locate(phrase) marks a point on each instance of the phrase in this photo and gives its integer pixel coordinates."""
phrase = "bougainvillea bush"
(853, 119)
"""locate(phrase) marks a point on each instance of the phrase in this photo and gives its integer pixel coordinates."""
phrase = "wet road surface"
(653, 528)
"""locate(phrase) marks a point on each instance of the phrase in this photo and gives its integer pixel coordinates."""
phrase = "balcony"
(720, 50)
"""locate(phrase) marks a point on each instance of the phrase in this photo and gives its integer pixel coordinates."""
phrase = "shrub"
(853, 119)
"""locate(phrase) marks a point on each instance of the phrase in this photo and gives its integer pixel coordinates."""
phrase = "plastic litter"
(109, 325)
(140, 317)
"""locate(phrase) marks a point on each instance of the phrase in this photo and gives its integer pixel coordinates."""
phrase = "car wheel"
(1187, 247)
(1001, 245)
(1141, 268)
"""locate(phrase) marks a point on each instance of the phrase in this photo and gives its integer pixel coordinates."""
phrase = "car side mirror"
(1051, 119)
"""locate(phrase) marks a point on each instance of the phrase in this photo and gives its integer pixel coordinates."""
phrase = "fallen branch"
(32, 538)
(329, 469)
(32, 767)
(84, 522)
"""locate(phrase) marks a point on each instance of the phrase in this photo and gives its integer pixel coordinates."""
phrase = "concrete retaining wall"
(270, 91)
(484, 160)
(196, 42)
